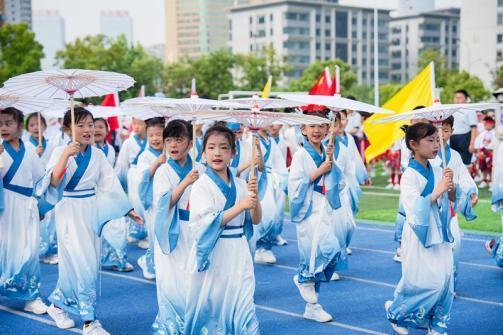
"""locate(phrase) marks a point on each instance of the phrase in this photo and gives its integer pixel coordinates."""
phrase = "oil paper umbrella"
(26, 105)
(69, 84)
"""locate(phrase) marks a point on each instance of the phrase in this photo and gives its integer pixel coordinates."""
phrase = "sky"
(82, 17)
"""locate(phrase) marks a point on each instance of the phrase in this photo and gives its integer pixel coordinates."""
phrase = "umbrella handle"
(1, 156)
(330, 138)
(254, 153)
(72, 113)
(194, 139)
(39, 129)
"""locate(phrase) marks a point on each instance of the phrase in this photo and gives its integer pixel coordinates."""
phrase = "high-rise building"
(15, 11)
(196, 27)
(114, 23)
(305, 31)
(482, 38)
(412, 34)
(412, 7)
(49, 29)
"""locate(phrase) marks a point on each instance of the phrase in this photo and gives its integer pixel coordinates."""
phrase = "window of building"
(318, 32)
(327, 46)
(500, 3)
(271, 17)
(396, 54)
(261, 19)
(327, 19)
(341, 24)
(327, 32)
(499, 55)
(500, 38)
(303, 17)
(341, 51)
(318, 17)
(271, 32)
(251, 20)
(500, 19)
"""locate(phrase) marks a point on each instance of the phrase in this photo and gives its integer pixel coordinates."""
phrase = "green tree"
(19, 51)
(102, 53)
(313, 72)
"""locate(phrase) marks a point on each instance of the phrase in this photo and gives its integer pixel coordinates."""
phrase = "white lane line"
(332, 323)
(386, 252)
(380, 283)
(266, 308)
(36, 318)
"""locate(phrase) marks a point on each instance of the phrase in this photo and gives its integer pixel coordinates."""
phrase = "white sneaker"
(36, 306)
(483, 184)
(477, 178)
(52, 259)
(264, 256)
(61, 317)
(349, 251)
(399, 330)
(94, 328)
(317, 313)
(280, 240)
(142, 263)
(398, 255)
(132, 240)
(144, 244)
(335, 277)
(127, 268)
(396, 187)
(434, 332)
(389, 186)
(307, 291)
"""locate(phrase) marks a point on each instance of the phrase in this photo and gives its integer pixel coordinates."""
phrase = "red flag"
(111, 100)
(323, 86)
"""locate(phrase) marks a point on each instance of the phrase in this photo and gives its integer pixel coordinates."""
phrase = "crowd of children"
(204, 215)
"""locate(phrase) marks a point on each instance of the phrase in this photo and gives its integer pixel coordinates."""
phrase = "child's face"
(177, 147)
(488, 125)
(274, 130)
(446, 132)
(33, 126)
(315, 133)
(84, 130)
(139, 126)
(154, 137)
(100, 131)
(9, 127)
(218, 152)
(426, 147)
(459, 98)
(344, 121)
(335, 127)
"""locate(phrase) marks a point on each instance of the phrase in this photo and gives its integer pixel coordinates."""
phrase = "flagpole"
(376, 59)
(39, 118)
(337, 83)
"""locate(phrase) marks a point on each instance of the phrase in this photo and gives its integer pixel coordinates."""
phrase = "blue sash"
(427, 173)
(142, 144)
(344, 139)
(235, 159)
(318, 160)
(82, 161)
(447, 154)
(103, 148)
(199, 147)
(181, 171)
(156, 153)
(276, 139)
(34, 141)
(17, 158)
(262, 182)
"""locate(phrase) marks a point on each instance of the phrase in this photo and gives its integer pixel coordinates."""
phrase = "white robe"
(19, 228)
(81, 213)
(220, 298)
(171, 267)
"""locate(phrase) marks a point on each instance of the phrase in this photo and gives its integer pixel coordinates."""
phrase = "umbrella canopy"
(264, 103)
(336, 102)
(25, 104)
(61, 84)
(97, 111)
(438, 112)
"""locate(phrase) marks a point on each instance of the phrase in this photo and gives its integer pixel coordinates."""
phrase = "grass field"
(380, 204)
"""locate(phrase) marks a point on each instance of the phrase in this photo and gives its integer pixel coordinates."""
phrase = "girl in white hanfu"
(87, 194)
(221, 282)
(19, 216)
(424, 295)
(171, 189)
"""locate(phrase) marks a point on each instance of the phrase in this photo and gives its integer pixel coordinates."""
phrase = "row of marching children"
(194, 211)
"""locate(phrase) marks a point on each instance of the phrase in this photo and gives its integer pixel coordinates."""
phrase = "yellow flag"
(267, 88)
(418, 92)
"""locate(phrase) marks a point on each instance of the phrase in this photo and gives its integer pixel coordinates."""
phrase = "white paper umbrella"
(335, 102)
(265, 103)
(97, 111)
(437, 114)
(69, 84)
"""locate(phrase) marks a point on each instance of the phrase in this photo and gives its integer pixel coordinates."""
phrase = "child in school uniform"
(424, 295)
(126, 169)
(314, 187)
(241, 161)
(114, 243)
(172, 186)
(495, 246)
(223, 208)
(19, 215)
(48, 240)
(86, 192)
(485, 144)
(148, 162)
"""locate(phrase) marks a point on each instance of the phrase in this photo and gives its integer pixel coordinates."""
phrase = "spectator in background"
(354, 124)
(465, 128)
(485, 144)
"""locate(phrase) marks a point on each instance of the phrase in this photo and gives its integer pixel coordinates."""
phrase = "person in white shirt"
(485, 144)
(465, 128)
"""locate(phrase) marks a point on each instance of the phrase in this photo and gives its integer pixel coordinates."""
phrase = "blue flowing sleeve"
(145, 189)
(206, 241)
(166, 224)
(463, 202)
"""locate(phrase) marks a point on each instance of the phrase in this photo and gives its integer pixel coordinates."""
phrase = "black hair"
(449, 122)
(350, 97)
(418, 131)
(220, 130)
(155, 121)
(104, 121)
(418, 107)
(42, 119)
(16, 114)
(178, 128)
(319, 112)
(343, 111)
(464, 92)
(80, 114)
